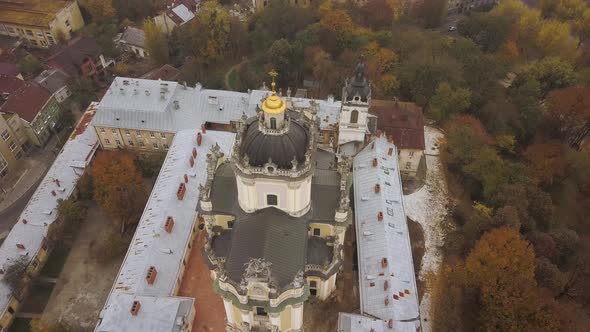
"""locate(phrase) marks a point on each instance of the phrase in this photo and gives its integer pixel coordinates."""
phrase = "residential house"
(40, 23)
(56, 82)
(10, 69)
(164, 73)
(37, 109)
(132, 40)
(176, 15)
(82, 57)
(13, 138)
(404, 122)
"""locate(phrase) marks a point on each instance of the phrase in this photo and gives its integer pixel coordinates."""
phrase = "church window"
(273, 123)
(260, 311)
(271, 200)
(354, 116)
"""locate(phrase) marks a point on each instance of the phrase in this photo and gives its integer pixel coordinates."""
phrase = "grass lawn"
(20, 325)
(56, 261)
(38, 297)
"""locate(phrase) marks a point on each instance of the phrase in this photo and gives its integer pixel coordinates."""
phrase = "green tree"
(447, 101)
(487, 31)
(211, 31)
(551, 73)
(432, 13)
(99, 9)
(488, 169)
(156, 43)
(29, 65)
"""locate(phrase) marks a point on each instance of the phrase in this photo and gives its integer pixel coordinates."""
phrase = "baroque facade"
(275, 221)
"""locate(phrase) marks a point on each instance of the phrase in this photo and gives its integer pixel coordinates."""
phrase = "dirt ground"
(417, 243)
(83, 284)
(209, 310)
(322, 316)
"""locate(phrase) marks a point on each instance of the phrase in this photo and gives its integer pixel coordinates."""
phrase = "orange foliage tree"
(118, 186)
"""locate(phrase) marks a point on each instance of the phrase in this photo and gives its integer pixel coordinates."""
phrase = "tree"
(40, 325)
(488, 169)
(547, 162)
(83, 91)
(29, 65)
(549, 276)
(338, 24)
(551, 73)
(501, 268)
(526, 96)
(465, 137)
(566, 243)
(211, 30)
(432, 13)
(156, 43)
(487, 31)
(447, 101)
(554, 38)
(16, 277)
(568, 110)
(379, 14)
(121, 69)
(99, 9)
(118, 186)
(507, 216)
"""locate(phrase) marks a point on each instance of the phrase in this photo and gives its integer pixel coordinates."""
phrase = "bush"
(110, 245)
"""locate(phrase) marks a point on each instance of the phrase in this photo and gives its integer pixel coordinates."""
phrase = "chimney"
(169, 224)
(57, 182)
(384, 262)
(151, 275)
(390, 152)
(185, 178)
(377, 188)
(386, 285)
(203, 129)
(200, 138)
(407, 291)
(194, 152)
(395, 297)
(25, 221)
(176, 105)
(401, 294)
(53, 193)
(380, 216)
(390, 324)
(191, 161)
(386, 300)
(180, 192)
(20, 246)
(135, 308)
(374, 162)
(372, 145)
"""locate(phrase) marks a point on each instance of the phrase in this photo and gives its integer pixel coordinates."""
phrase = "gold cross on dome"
(273, 74)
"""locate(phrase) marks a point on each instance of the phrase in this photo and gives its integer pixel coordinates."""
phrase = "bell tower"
(356, 99)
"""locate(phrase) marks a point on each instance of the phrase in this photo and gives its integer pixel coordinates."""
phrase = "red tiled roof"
(9, 84)
(27, 101)
(402, 120)
(69, 58)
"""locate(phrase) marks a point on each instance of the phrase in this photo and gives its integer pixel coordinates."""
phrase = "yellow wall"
(325, 229)
(132, 139)
(222, 220)
(286, 318)
(7, 318)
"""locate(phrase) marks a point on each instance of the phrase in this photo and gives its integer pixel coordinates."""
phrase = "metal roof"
(41, 210)
(387, 280)
(183, 13)
(150, 105)
(155, 314)
(357, 323)
(152, 245)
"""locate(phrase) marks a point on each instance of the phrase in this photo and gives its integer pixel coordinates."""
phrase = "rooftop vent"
(384, 262)
(374, 162)
(386, 285)
(147, 92)
(169, 225)
(377, 188)
(151, 275)
(185, 178)
(191, 161)
(135, 308)
(212, 100)
(194, 152)
(20, 246)
(199, 139)
(380, 216)
(176, 105)
(125, 82)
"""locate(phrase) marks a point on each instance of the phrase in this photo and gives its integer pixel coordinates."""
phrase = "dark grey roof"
(358, 85)
(318, 252)
(270, 234)
(52, 80)
(280, 148)
(134, 36)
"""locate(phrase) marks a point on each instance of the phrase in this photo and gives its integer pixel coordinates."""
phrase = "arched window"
(273, 123)
(354, 116)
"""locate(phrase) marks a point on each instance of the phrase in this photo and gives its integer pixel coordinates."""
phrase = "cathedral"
(275, 213)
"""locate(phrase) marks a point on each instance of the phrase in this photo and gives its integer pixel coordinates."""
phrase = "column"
(297, 316)
(275, 320)
(229, 311)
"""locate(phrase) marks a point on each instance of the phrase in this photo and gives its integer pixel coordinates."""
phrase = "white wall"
(409, 160)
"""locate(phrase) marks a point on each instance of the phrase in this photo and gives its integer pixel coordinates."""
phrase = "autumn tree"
(16, 277)
(337, 25)
(432, 13)
(99, 9)
(547, 162)
(487, 31)
(501, 268)
(156, 43)
(118, 186)
(447, 101)
(29, 65)
(568, 111)
(465, 137)
(211, 30)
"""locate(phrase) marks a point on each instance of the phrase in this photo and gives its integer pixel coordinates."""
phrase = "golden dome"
(273, 104)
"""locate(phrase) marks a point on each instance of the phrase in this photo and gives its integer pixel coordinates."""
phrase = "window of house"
(5, 135)
(163, 135)
(316, 232)
(260, 311)
(29, 32)
(106, 141)
(141, 144)
(67, 23)
(113, 131)
(131, 143)
(118, 142)
(155, 145)
(3, 173)
(230, 224)
(51, 40)
(390, 211)
(18, 155)
(102, 130)
(12, 146)
(272, 200)
(354, 116)
(43, 43)
(35, 263)
(127, 133)
(11, 30)
(411, 154)
(273, 123)
(152, 135)
(138, 133)
(166, 146)
(408, 165)
(39, 34)
(34, 42)
(11, 310)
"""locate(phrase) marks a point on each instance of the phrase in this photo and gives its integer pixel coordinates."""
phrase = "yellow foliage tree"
(99, 9)
(211, 32)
